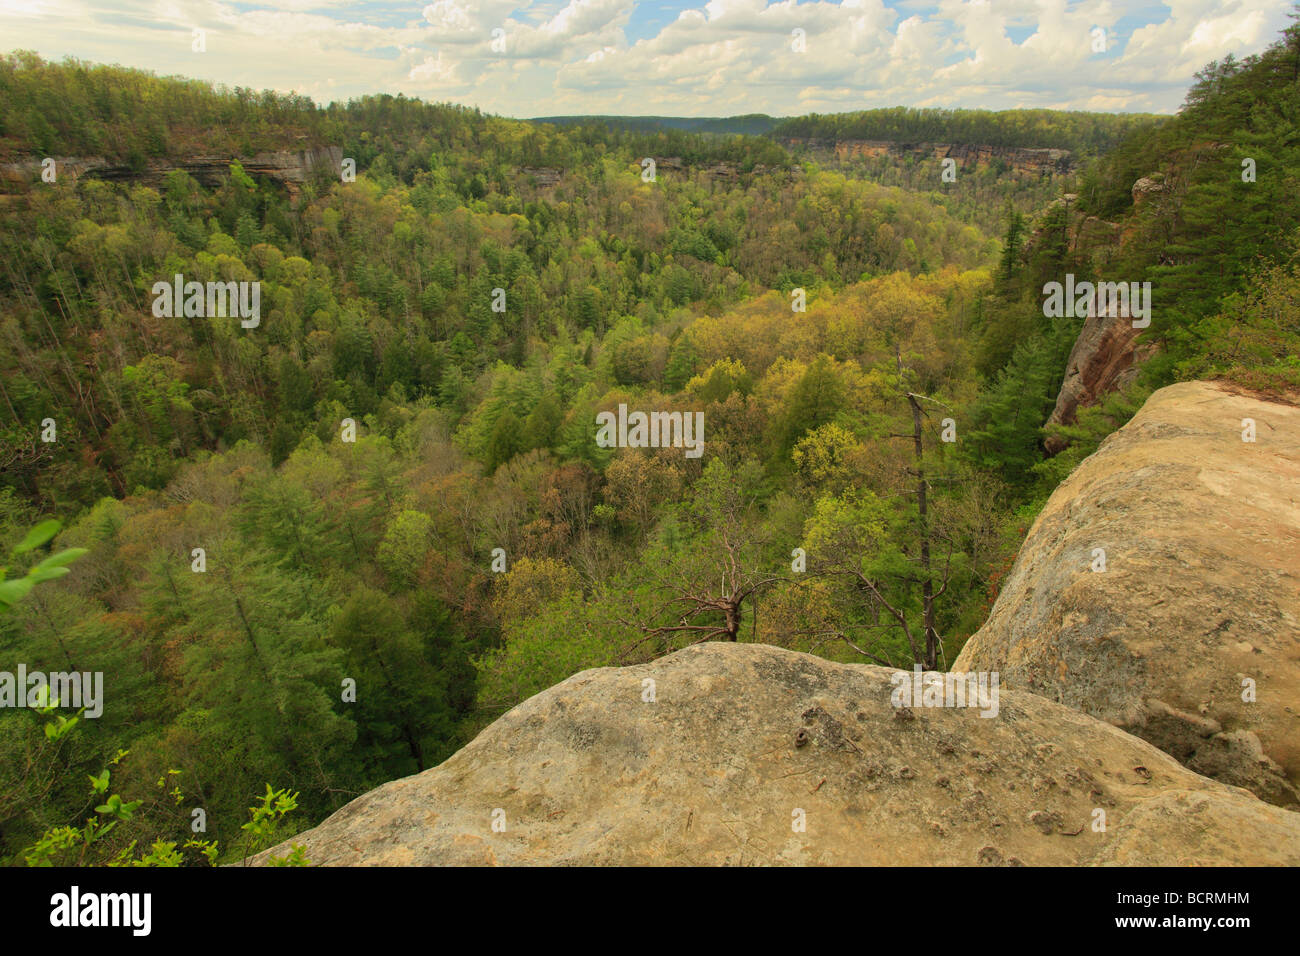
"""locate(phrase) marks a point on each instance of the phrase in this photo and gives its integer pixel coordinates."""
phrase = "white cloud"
(432, 71)
(716, 57)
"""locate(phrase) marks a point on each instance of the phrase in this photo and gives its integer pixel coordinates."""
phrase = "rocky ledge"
(750, 754)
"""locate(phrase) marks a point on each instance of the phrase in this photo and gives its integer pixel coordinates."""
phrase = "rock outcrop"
(1108, 350)
(969, 156)
(1103, 359)
(291, 167)
(1190, 637)
(546, 177)
(1144, 189)
(743, 742)
(1179, 824)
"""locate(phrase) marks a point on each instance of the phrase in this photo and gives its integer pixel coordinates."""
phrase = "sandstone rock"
(295, 166)
(291, 167)
(742, 738)
(65, 167)
(1101, 360)
(1200, 828)
(969, 156)
(1145, 188)
(1201, 533)
(544, 176)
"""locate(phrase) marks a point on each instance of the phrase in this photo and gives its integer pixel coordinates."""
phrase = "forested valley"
(322, 551)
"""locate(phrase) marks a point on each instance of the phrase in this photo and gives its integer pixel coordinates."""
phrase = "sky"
(683, 58)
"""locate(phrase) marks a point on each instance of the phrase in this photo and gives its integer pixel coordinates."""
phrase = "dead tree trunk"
(931, 661)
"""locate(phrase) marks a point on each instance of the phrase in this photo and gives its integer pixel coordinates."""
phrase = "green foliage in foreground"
(105, 838)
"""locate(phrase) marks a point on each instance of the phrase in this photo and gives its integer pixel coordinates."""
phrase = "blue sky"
(649, 18)
(681, 57)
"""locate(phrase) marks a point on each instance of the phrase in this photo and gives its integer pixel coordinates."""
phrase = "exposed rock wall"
(291, 167)
(1107, 353)
(1199, 598)
(545, 176)
(1103, 359)
(969, 156)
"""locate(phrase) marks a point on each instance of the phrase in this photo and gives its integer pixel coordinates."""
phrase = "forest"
(1088, 133)
(321, 553)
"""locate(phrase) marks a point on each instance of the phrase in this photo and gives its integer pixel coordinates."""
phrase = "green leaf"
(38, 536)
(61, 559)
(11, 592)
(37, 575)
(60, 727)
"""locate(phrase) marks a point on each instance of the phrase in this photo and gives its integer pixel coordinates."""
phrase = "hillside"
(351, 463)
(754, 124)
(1202, 208)
(1072, 131)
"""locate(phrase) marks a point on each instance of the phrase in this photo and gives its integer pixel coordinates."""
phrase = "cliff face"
(291, 167)
(1190, 637)
(751, 754)
(545, 176)
(1104, 357)
(969, 156)
(1107, 353)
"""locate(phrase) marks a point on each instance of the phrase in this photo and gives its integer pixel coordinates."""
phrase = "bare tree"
(695, 607)
(701, 590)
